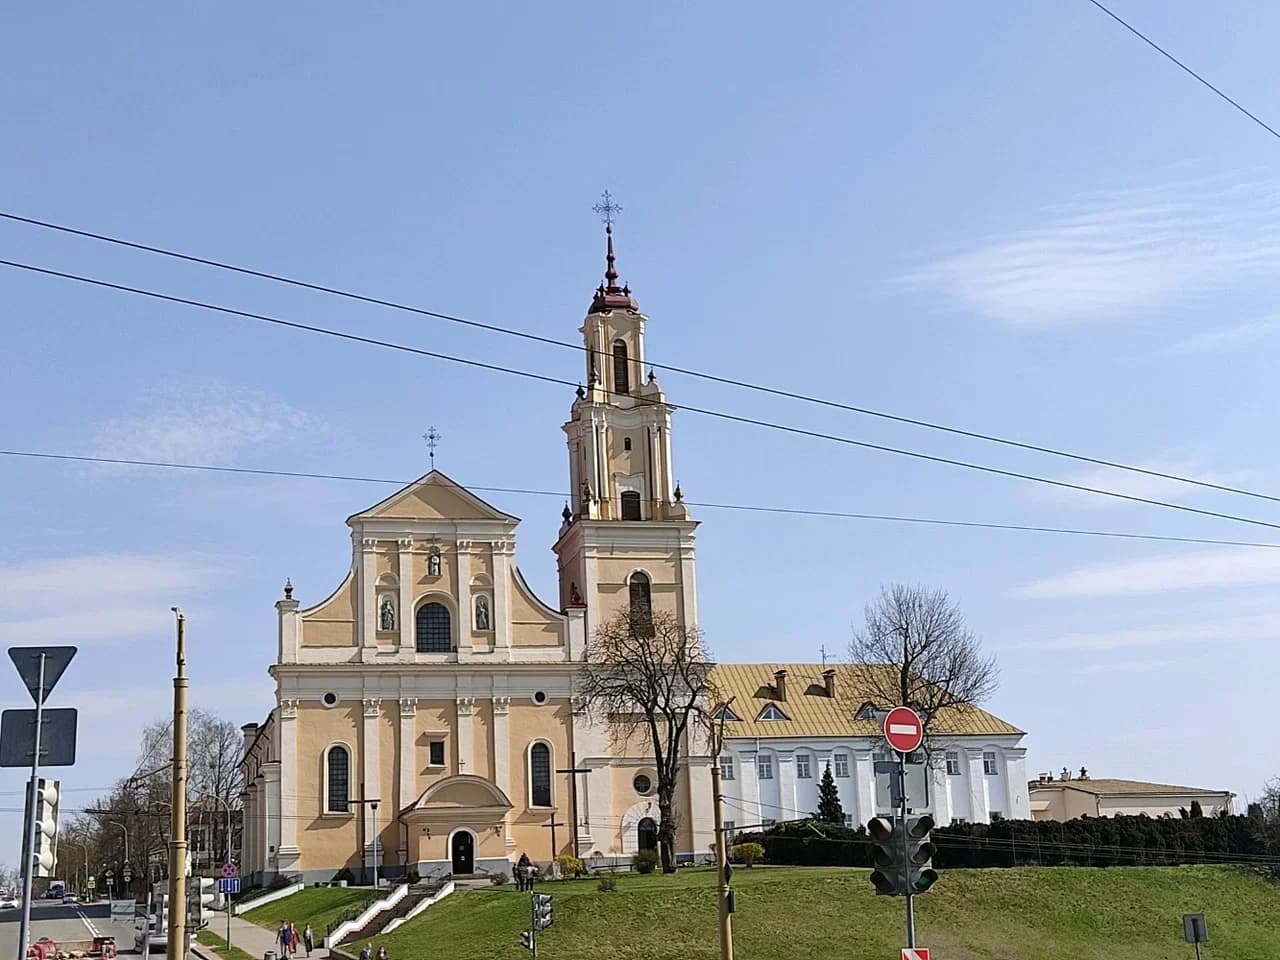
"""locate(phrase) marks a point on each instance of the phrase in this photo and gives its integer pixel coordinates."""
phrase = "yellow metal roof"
(1109, 787)
(811, 713)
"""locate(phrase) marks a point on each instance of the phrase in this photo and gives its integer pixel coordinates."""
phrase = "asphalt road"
(63, 922)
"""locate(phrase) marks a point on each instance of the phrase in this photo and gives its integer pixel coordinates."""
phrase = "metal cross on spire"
(433, 438)
(607, 208)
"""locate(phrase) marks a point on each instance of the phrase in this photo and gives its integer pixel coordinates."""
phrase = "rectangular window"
(848, 819)
(768, 821)
(729, 827)
(764, 767)
(960, 820)
(435, 753)
(953, 763)
(842, 764)
(726, 768)
(802, 768)
(989, 763)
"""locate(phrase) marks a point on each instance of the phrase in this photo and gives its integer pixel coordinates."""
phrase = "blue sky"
(1012, 218)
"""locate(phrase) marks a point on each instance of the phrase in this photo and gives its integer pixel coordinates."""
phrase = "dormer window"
(771, 712)
(866, 712)
(725, 713)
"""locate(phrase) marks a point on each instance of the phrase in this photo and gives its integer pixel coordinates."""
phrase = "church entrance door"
(463, 850)
(647, 834)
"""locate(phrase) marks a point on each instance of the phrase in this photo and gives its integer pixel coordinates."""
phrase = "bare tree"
(922, 654)
(646, 676)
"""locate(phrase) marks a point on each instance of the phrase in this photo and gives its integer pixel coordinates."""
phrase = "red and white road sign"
(915, 953)
(904, 731)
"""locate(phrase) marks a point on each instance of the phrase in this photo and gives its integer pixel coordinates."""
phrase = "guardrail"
(401, 891)
(420, 906)
(271, 897)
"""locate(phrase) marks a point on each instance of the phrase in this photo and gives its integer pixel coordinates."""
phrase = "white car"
(69, 898)
(8, 903)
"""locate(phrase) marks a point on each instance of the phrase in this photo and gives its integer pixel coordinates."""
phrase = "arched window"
(621, 372)
(641, 602)
(432, 629)
(630, 505)
(540, 775)
(647, 834)
(337, 780)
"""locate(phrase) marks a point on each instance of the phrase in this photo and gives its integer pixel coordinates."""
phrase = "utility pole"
(723, 894)
(906, 849)
(176, 946)
(32, 825)
(573, 772)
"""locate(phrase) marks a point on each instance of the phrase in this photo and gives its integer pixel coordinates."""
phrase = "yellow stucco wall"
(325, 839)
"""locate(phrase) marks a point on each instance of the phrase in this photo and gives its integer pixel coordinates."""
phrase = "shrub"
(645, 861)
(413, 876)
(570, 866)
(748, 853)
(608, 883)
(498, 879)
(344, 874)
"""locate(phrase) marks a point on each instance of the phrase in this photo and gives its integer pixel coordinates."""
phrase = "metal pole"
(374, 805)
(533, 920)
(906, 849)
(29, 841)
(722, 860)
(1197, 943)
(573, 801)
(176, 942)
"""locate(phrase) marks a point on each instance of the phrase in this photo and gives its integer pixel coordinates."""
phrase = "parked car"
(69, 898)
(8, 903)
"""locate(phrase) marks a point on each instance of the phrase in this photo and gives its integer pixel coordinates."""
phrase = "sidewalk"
(249, 937)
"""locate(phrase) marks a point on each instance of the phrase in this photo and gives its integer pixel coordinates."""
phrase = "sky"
(1015, 219)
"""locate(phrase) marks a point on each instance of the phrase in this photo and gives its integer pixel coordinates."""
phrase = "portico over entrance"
(457, 825)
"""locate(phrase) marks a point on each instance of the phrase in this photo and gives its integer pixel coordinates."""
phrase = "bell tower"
(627, 536)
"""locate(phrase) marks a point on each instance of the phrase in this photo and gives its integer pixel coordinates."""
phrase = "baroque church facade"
(425, 712)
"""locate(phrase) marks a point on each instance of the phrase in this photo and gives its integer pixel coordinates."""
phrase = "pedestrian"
(366, 953)
(282, 936)
(308, 939)
(523, 882)
(293, 937)
(382, 953)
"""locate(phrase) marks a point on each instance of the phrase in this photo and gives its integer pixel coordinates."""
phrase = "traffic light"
(526, 939)
(890, 874)
(542, 910)
(44, 851)
(200, 894)
(920, 852)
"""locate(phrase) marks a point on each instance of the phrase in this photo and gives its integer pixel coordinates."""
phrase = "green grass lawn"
(219, 946)
(796, 913)
(313, 905)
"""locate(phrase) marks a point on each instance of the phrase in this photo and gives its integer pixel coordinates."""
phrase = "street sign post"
(229, 884)
(1195, 931)
(903, 729)
(915, 953)
(230, 870)
(57, 737)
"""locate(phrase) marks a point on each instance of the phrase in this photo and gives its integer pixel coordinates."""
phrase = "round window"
(540, 697)
(329, 699)
(642, 783)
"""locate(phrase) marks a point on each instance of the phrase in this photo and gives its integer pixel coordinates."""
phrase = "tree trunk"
(666, 833)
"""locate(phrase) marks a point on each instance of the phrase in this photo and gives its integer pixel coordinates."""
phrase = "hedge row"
(1088, 841)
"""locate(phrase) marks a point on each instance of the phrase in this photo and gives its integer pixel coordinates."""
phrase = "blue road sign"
(229, 885)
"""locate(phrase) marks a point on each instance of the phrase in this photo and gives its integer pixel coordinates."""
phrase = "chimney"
(829, 681)
(250, 730)
(1066, 774)
(780, 683)
(1084, 774)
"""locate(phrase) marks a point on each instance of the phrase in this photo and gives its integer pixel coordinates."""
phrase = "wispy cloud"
(1255, 629)
(1127, 666)
(98, 597)
(1140, 484)
(1224, 337)
(207, 421)
(1229, 567)
(1111, 253)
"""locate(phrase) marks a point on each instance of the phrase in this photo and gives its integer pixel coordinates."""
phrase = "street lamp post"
(124, 830)
(85, 846)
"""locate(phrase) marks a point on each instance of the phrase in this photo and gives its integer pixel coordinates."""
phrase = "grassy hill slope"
(313, 905)
(792, 913)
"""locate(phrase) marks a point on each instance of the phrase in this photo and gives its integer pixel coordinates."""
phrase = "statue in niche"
(482, 613)
(575, 598)
(387, 613)
(433, 563)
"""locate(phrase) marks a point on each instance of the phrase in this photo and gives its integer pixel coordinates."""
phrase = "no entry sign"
(903, 729)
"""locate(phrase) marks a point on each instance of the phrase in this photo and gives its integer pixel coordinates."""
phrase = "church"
(425, 716)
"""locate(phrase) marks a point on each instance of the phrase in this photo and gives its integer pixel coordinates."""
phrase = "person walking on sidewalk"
(308, 939)
(366, 953)
(382, 953)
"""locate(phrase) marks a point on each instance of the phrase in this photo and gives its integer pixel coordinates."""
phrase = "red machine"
(103, 948)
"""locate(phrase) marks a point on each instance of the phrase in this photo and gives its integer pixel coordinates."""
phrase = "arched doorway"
(647, 834)
(462, 848)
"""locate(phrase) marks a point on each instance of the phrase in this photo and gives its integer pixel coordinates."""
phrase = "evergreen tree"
(829, 809)
(1196, 810)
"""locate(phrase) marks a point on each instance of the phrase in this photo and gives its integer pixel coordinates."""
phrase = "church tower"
(627, 537)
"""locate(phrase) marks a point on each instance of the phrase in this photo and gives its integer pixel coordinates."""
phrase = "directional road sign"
(229, 885)
(27, 660)
(915, 953)
(57, 737)
(229, 870)
(903, 729)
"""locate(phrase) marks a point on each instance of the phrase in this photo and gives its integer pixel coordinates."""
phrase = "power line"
(703, 411)
(752, 508)
(1186, 69)
(683, 371)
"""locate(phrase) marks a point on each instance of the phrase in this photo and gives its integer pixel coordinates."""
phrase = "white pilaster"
(406, 779)
(287, 731)
(271, 775)
(786, 775)
(502, 574)
(404, 571)
(466, 615)
(287, 615)
(465, 744)
(502, 758)
(1015, 777)
(979, 811)
(370, 767)
(368, 612)
(864, 785)
(749, 775)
